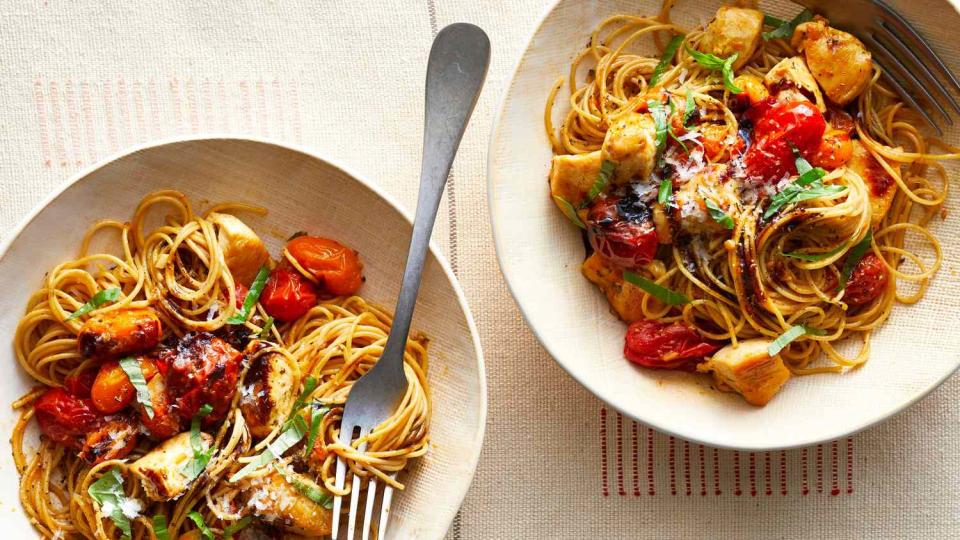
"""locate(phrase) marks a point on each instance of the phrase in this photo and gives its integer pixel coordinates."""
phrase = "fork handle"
(455, 73)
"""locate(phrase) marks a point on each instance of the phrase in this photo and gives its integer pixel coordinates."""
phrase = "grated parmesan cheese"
(130, 507)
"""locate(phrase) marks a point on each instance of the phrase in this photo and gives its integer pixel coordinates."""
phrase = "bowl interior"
(912, 353)
(301, 192)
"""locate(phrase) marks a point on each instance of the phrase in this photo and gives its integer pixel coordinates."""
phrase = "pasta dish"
(189, 386)
(755, 200)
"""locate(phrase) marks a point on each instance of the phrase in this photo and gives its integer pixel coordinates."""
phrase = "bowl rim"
(372, 187)
(513, 284)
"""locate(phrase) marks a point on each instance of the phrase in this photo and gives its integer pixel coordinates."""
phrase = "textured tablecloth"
(84, 80)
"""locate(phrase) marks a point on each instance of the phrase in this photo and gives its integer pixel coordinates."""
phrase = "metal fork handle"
(455, 73)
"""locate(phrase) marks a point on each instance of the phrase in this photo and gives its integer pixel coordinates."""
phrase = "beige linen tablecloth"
(83, 80)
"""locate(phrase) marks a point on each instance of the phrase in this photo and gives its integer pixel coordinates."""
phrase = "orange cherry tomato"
(287, 295)
(834, 151)
(112, 390)
(336, 267)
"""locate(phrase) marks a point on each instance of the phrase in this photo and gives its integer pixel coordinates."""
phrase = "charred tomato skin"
(115, 439)
(661, 345)
(779, 128)
(65, 418)
(622, 231)
(867, 281)
(202, 369)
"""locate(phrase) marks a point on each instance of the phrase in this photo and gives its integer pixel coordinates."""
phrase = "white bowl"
(302, 192)
(540, 254)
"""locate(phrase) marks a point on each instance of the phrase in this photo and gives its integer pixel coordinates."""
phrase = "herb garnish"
(813, 257)
(606, 171)
(665, 193)
(666, 59)
(793, 333)
(108, 492)
(718, 214)
(97, 300)
(267, 326)
(131, 366)
(856, 253)
(201, 456)
(160, 527)
(671, 298)
(234, 528)
(256, 288)
(811, 178)
(197, 519)
(569, 211)
(311, 492)
(785, 29)
(715, 63)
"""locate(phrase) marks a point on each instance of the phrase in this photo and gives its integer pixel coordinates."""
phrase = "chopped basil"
(719, 215)
(160, 527)
(813, 257)
(108, 492)
(661, 121)
(688, 109)
(236, 527)
(666, 59)
(317, 412)
(856, 253)
(671, 298)
(309, 385)
(314, 493)
(606, 170)
(289, 437)
(665, 193)
(569, 211)
(201, 456)
(809, 177)
(784, 29)
(715, 63)
(267, 326)
(99, 299)
(793, 333)
(256, 288)
(197, 519)
(131, 366)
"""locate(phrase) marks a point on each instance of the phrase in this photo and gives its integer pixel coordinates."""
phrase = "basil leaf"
(790, 335)
(131, 366)
(660, 117)
(795, 192)
(671, 298)
(236, 527)
(256, 289)
(289, 437)
(784, 30)
(267, 326)
(666, 59)
(108, 492)
(803, 166)
(198, 520)
(688, 109)
(665, 194)
(727, 72)
(160, 527)
(201, 456)
(813, 257)
(770, 20)
(818, 190)
(314, 493)
(309, 385)
(606, 170)
(719, 215)
(569, 211)
(706, 60)
(97, 300)
(316, 416)
(856, 253)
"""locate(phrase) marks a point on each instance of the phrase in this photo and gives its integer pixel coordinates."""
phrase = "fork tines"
(370, 504)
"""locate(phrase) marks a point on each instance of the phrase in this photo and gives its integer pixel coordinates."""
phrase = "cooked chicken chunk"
(882, 187)
(161, 470)
(243, 250)
(631, 143)
(572, 175)
(712, 184)
(748, 369)
(733, 30)
(269, 390)
(839, 61)
(624, 298)
(792, 75)
(276, 500)
(119, 332)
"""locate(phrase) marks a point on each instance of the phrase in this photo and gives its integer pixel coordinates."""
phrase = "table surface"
(84, 80)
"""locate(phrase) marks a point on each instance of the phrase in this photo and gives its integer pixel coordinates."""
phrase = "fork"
(456, 70)
(899, 51)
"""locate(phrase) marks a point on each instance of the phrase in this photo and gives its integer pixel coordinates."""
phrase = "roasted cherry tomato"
(203, 369)
(662, 345)
(287, 295)
(79, 385)
(115, 439)
(112, 390)
(336, 267)
(622, 231)
(834, 151)
(163, 424)
(867, 282)
(65, 418)
(778, 129)
(120, 332)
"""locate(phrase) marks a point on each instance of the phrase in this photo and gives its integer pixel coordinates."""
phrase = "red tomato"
(113, 440)
(203, 369)
(336, 267)
(622, 231)
(662, 345)
(241, 293)
(867, 282)
(79, 385)
(65, 418)
(778, 128)
(287, 295)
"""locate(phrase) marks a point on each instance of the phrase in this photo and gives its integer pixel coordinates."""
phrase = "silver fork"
(455, 73)
(911, 66)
